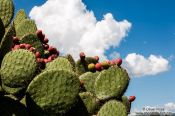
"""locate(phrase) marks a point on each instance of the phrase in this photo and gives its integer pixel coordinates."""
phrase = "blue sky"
(152, 32)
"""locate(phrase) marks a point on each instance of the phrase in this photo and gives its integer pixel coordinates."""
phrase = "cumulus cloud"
(72, 28)
(139, 66)
(170, 106)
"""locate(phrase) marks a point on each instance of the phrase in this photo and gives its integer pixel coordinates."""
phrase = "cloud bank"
(139, 66)
(72, 28)
(170, 106)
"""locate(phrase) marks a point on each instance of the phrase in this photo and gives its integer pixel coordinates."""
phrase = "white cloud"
(137, 65)
(72, 28)
(170, 106)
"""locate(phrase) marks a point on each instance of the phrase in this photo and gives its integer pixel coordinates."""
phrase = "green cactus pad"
(34, 41)
(20, 16)
(10, 107)
(2, 29)
(88, 80)
(81, 67)
(18, 68)
(25, 27)
(60, 63)
(91, 103)
(6, 11)
(111, 83)
(126, 103)
(54, 91)
(90, 60)
(112, 108)
(7, 42)
(71, 60)
(13, 91)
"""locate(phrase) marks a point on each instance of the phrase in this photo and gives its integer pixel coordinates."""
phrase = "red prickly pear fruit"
(91, 67)
(46, 60)
(46, 40)
(98, 66)
(51, 49)
(16, 47)
(46, 46)
(15, 40)
(28, 46)
(118, 61)
(105, 64)
(22, 46)
(32, 49)
(39, 33)
(131, 98)
(37, 55)
(112, 62)
(96, 58)
(82, 55)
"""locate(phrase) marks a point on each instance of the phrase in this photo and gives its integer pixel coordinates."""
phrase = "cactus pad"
(2, 29)
(54, 91)
(20, 16)
(112, 108)
(71, 60)
(88, 80)
(6, 11)
(91, 103)
(7, 42)
(25, 27)
(18, 68)
(111, 83)
(60, 63)
(126, 103)
(33, 40)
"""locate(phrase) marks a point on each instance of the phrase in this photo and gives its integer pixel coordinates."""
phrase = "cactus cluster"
(36, 81)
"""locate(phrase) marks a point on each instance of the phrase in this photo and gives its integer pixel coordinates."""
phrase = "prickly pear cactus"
(6, 11)
(25, 27)
(18, 68)
(33, 40)
(112, 108)
(88, 80)
(60, 63)
(126, 102)
(111, 83)
(20, 16)
(90, 101)
(36, 81)
(54, 91)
